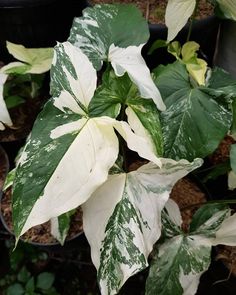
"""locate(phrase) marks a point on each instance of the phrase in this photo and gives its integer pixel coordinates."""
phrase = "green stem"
(192, 20)
(122, 141)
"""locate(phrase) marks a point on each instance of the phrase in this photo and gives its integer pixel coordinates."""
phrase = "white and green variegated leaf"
(122, 219)
(178, 264)
(60, 226)
(231, 180)
(9, 179)
(33, 60)
(73, 73)
(144, 120)
(94, 36)
(232, 174)
(208, 219)
(119, 43)
(131, 61)
(196, 119)
(177, 15)
(226, 234)
(226, 8)
(4, 115)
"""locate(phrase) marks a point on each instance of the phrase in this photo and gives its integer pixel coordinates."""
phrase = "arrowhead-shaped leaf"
(182, 257)
(196, 119)
(122, 219)
(119, 43)
(34, 60)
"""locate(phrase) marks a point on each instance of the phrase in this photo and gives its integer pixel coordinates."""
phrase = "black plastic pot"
(4, 166)
(74, 243)
(204, 32)
(225, 56)
(36, 23)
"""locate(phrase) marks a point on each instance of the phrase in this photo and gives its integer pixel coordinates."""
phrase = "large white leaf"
(83, 168)
(122, 219)
(35, 60)
(226, 234)
(177, 14)
(131, 61)
(4, 115)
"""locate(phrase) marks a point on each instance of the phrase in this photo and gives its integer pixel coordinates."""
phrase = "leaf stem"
(191, 21)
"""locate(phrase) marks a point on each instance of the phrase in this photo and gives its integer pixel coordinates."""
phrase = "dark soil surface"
(40, 233)
(154, 10)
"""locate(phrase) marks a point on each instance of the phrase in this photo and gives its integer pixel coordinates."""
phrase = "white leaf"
(124, 214)
(4, 115)
(177, 14)
(131, 61)
(174, 212)
(82, 170)
(231, 180)
(226, 235)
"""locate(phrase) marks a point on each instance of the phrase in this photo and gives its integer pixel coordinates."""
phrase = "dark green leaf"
(30, 285)
(15, 289)
(13, 101)
(24, 275)
(195, 120)
(157, 44)
(45, 280)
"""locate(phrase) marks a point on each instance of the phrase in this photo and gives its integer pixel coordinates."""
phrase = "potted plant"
(79, 152)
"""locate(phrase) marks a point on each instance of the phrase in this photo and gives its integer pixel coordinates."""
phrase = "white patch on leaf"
(4, 115)
(226, 234)
(131, 61)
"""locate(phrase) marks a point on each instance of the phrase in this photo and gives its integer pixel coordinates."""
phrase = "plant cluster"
(78, 151)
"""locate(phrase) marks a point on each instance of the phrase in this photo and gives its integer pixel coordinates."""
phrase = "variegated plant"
(76, 154)
(178, 13)
(32, 61)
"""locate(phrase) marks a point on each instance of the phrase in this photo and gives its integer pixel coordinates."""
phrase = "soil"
(4, 166)
(23, 117)
(40, 233)
(154, 10)
(186, 194)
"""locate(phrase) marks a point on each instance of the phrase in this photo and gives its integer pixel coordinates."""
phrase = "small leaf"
(45, 280)
(30, 285)
(157, 44)
(60, 226)
(13, 101)
(23, 275)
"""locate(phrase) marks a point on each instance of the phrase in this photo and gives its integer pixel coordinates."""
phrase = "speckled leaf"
(122, 219)
(104, 25)
(34, 60)
(177, 265)
(73, 73)
(181, 258)
(4, 115)
(195, 120)
(177, 15)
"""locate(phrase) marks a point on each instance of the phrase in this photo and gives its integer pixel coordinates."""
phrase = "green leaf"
(195, 120)
(226, 8)
(13, 101)
(123, 227)
(45, 280)
(157, 44)
(23, 275)
(92, 34)
(9, 179)
(233, 157)
(30, 286)
(15, 289)
(177, 265)
(209, 218)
